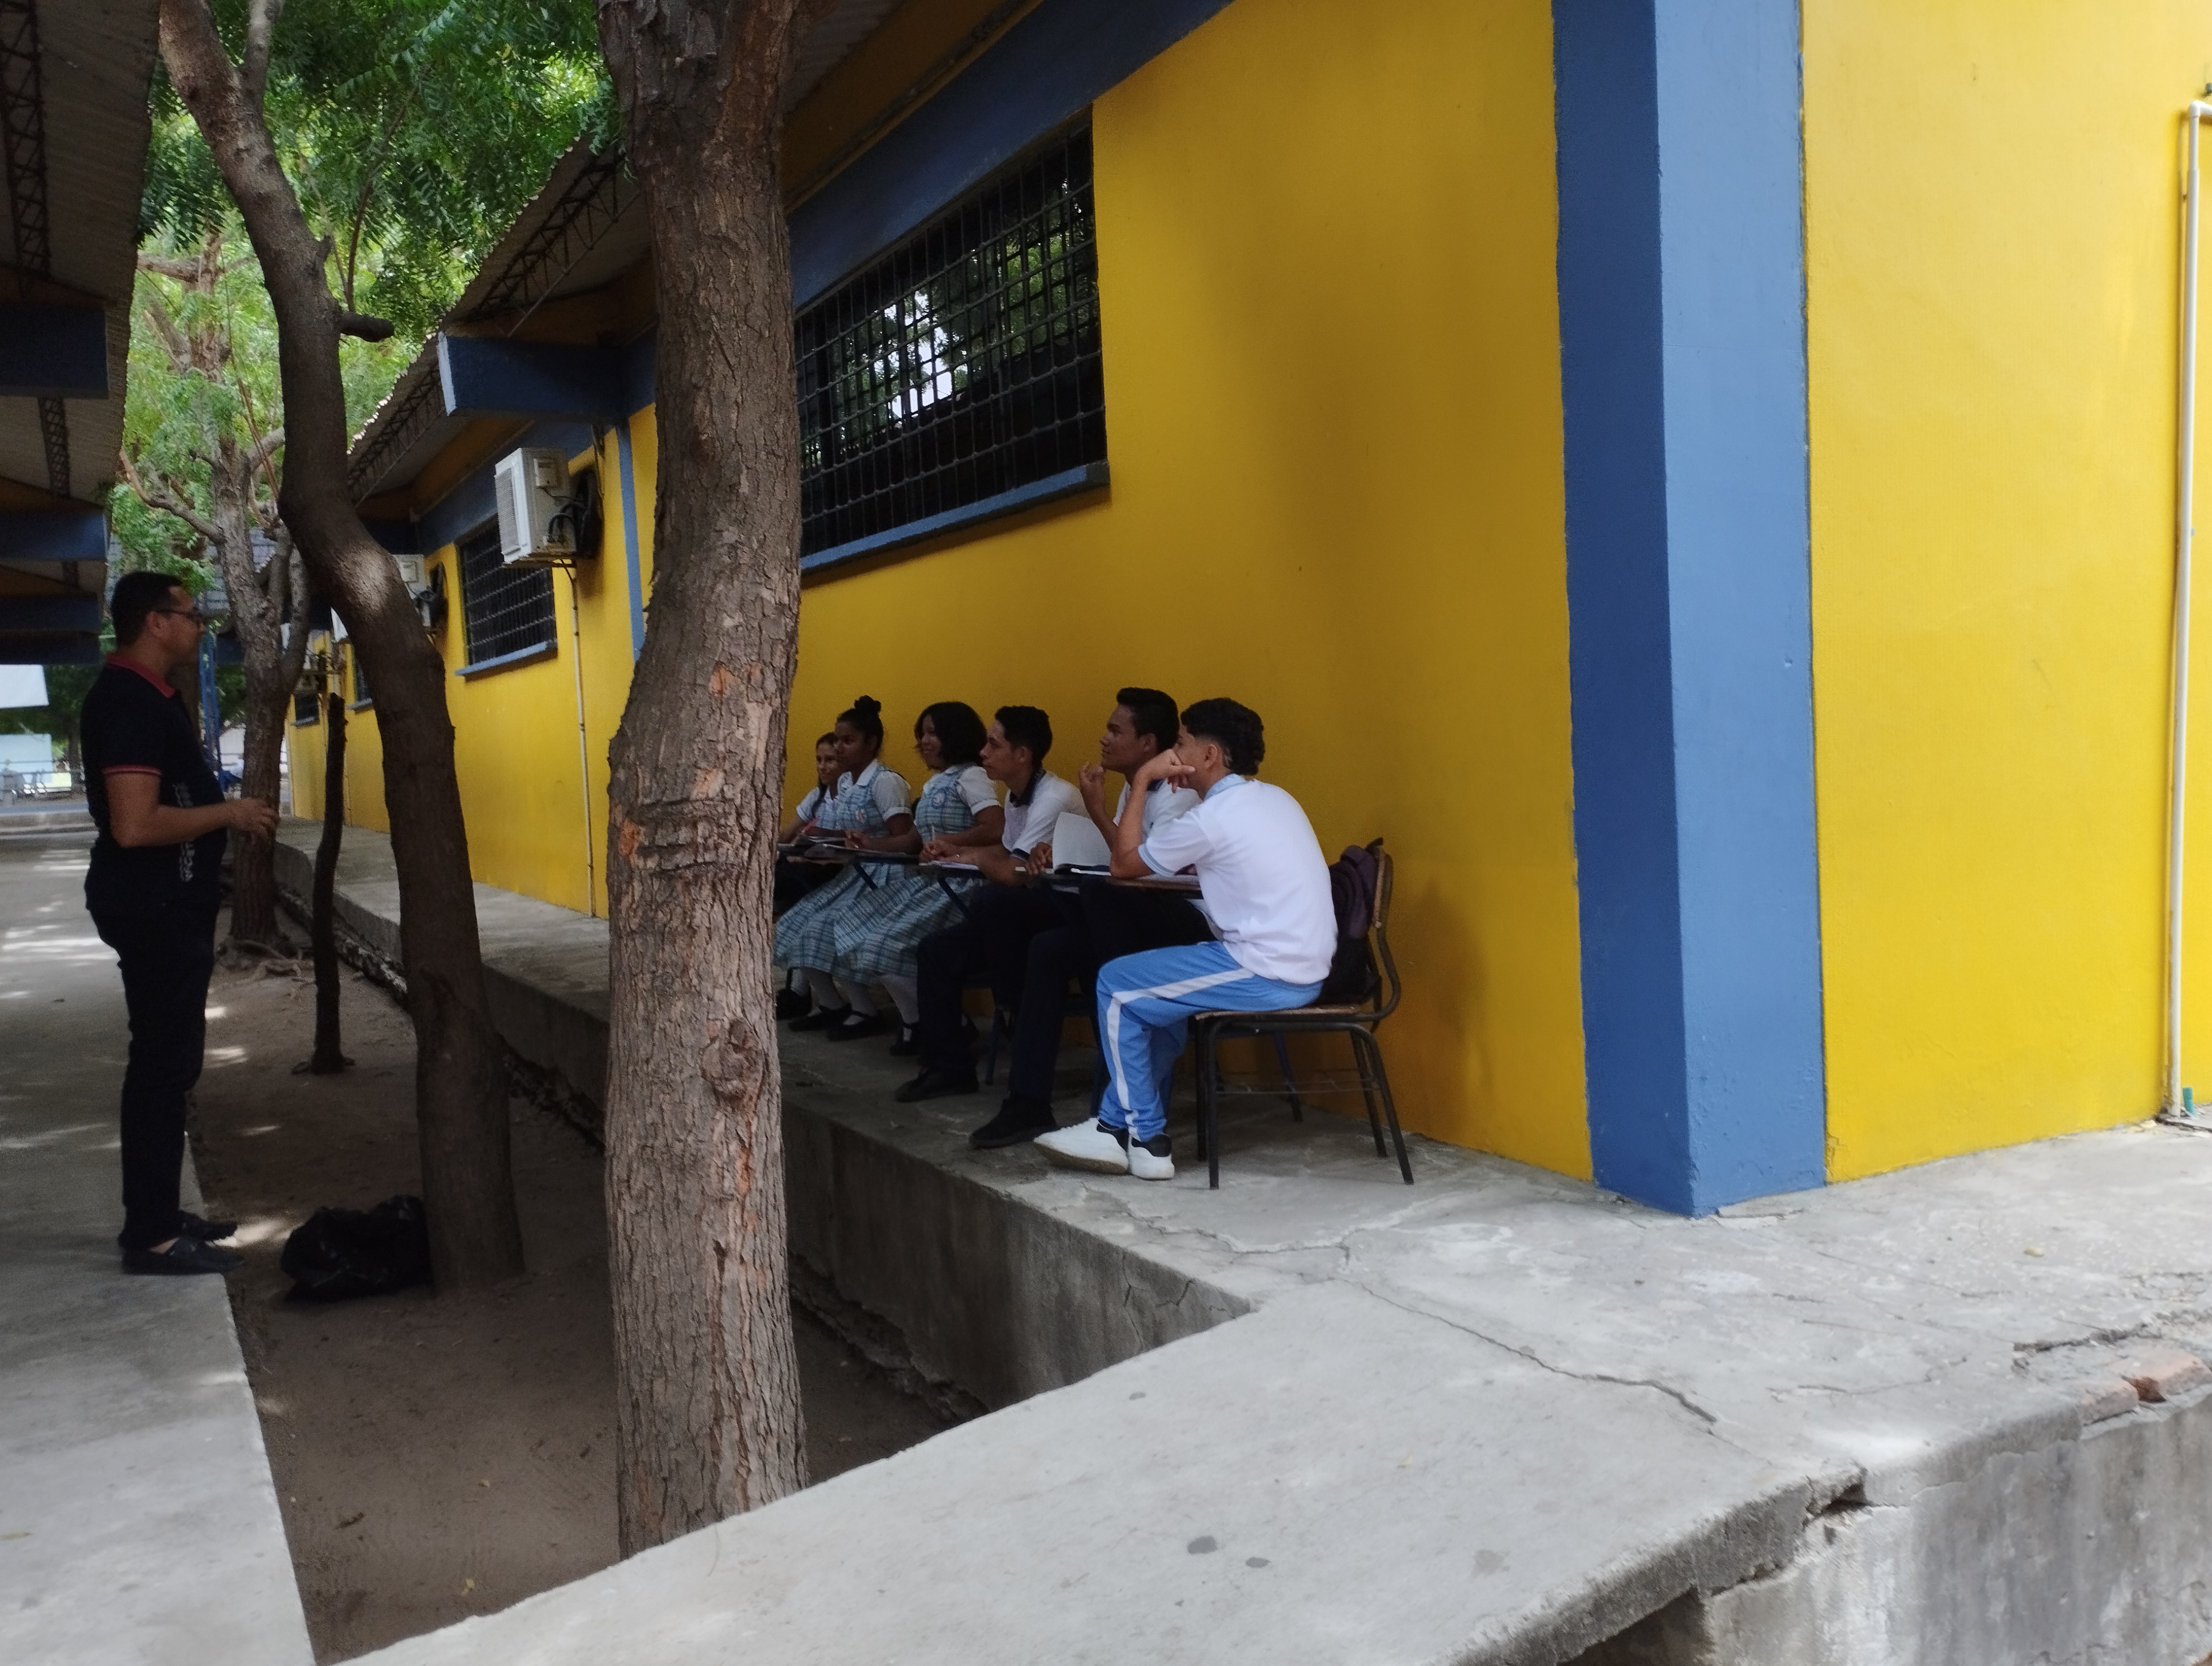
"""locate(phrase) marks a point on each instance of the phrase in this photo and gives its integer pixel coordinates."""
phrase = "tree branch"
(172, 339)
(264, 448)
(260, 26)
(154, 497)
(361, 324)
(184, 271)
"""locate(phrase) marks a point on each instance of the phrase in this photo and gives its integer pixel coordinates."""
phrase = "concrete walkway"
(138, 1519)
(1954, 1415)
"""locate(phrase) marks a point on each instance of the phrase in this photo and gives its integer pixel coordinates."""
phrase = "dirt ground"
(436, 1457)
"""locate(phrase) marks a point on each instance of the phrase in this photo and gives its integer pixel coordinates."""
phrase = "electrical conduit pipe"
(2184, 539)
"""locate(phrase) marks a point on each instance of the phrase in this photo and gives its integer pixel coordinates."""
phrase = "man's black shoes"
(934, 1085)
(1018, 1120)
(207, 1232)
(186, 1255)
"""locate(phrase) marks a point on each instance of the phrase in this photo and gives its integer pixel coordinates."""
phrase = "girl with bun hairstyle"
(870, 810)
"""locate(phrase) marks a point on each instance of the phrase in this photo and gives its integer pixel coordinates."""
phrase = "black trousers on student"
(991, 936)
(168, 958)
(1102, 922)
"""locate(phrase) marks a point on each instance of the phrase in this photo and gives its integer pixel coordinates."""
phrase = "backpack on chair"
(1352, 878)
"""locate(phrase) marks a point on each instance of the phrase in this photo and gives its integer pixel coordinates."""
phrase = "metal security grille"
(507, 609)
(962, 364)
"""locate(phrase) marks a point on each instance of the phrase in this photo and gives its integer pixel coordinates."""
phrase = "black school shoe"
(186, 1255)
(934, 1085)
(1018, 1120)
(792, 1004)
(207, 1232)
(909, 1042)
(856, 1028)
(822, 1018)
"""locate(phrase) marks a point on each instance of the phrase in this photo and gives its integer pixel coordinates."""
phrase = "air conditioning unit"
(535, 529)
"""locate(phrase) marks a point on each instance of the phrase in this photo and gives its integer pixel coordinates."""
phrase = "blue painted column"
(1682, 350)
(630, 553)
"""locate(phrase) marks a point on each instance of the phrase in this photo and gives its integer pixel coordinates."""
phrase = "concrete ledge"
(1498, 1417)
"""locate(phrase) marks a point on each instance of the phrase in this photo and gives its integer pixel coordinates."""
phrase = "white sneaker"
(1086, 1146)
(1147, 1164)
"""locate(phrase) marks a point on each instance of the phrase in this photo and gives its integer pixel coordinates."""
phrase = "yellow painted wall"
(1326, 238)
(1991, 271)
(515, 738)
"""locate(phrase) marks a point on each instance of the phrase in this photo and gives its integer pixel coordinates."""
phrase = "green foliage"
(413, 131)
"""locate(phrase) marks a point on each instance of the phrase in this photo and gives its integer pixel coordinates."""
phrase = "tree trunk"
(323, 930)
(261, 605)
(709, 1420)
(460, 1072)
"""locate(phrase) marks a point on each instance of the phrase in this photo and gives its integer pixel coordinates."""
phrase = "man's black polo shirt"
(134, 723)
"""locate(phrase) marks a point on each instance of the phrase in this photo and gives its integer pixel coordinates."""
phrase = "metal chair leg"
(1390, 1104)
(1289, 1082)
(1367, 1088)
(1209, 1127)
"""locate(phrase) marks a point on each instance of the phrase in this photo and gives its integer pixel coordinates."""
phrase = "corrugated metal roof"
(96, 64)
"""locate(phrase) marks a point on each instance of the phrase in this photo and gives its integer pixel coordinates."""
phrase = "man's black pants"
(167, 957)
(991, 936)
(1101, 922)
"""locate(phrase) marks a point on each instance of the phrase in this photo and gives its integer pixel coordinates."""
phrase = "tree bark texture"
(323, 928)
(708, 1418)
(460, 1073)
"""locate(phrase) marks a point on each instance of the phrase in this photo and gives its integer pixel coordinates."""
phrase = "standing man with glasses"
(154, 888)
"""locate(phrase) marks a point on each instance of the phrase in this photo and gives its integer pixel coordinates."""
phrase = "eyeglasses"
(209, 621)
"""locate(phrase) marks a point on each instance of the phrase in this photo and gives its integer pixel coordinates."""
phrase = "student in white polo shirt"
(1265, 885)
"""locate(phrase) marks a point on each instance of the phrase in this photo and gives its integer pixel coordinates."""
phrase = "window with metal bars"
(506, 609)
(962, 364)
(306, 708)
(361, 694)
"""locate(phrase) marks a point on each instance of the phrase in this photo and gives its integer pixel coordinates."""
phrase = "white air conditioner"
(532, 486)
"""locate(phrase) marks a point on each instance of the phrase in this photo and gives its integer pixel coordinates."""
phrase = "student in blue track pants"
(1264, 885)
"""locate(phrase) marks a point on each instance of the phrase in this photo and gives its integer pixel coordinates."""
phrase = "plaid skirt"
(876, 935)
(807, 933)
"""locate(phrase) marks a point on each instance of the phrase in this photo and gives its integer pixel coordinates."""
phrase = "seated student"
(1266, 885)
(1142, 725)
(794, 879)
(876, 934)
(870, 803)
(826, 771)
(1000, 918)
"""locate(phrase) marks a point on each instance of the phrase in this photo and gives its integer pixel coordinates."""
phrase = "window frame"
(485, 537)
(1018, 251)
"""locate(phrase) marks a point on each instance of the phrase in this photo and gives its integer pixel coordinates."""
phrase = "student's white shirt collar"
(875, 768)
(1223, 785)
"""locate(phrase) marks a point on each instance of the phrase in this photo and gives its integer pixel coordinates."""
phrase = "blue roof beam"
(49, 615)
(53, 534)
(484, 376)
(52, 352)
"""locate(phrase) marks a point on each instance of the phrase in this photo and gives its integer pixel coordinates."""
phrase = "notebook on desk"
(1077, 842)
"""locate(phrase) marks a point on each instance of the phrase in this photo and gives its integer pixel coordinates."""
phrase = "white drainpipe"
(2177, 1098)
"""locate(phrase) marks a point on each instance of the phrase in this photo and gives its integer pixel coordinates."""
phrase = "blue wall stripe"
(630, 542)
(1043, 71)
(1681, 295)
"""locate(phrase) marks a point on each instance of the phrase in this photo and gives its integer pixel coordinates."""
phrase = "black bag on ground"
(340, 1253)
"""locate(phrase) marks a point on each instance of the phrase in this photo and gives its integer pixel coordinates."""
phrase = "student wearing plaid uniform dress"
(871, 803)
(876, 935)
